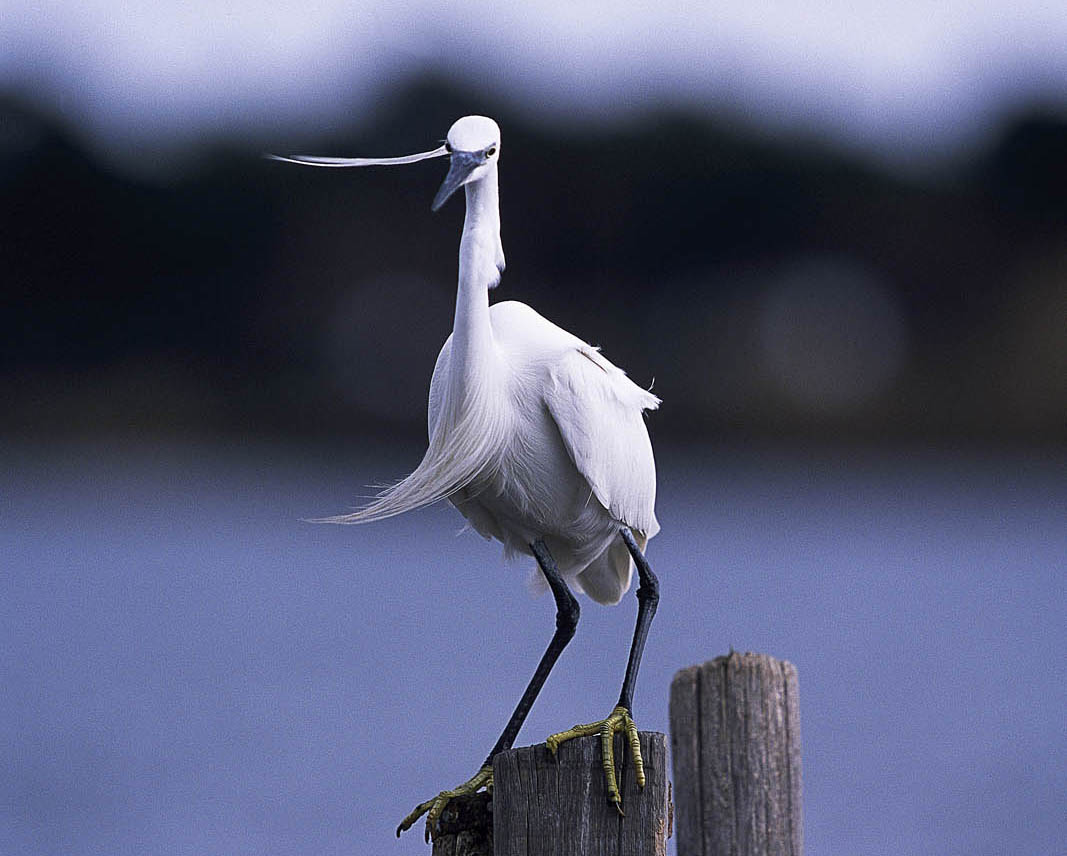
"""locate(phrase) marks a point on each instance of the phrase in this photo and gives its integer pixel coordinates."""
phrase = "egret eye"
(448, 147)
(489, 152)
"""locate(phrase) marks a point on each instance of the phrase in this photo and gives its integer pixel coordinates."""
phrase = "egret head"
(473, 145)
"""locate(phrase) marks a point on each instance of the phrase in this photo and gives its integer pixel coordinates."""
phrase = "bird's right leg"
(621, 718)
(567, 612)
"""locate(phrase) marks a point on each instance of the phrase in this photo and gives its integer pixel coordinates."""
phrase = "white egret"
(538, 440)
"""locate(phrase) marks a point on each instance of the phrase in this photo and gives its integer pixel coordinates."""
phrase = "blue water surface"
(190, 668)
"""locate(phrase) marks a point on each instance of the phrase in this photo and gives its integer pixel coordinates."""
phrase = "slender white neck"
(480, 261)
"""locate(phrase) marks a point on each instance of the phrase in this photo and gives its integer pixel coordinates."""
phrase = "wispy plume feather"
(464, 452)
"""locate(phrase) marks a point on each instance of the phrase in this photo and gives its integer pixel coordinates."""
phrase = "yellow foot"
(433, 808)
(619, 720)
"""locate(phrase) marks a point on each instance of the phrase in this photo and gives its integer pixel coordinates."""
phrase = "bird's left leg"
(621, 718)
(567, 612)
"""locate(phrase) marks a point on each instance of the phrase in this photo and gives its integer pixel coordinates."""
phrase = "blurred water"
(190, 668)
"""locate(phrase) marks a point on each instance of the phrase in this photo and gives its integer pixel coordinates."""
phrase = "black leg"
(647, 601)
(566, 621)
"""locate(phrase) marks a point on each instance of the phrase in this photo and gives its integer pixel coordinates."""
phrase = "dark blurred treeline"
(771, 287)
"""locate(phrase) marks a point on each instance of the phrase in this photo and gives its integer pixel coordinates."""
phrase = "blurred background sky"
(833, 235)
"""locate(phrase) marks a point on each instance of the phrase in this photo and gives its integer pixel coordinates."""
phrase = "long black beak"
(463, 164)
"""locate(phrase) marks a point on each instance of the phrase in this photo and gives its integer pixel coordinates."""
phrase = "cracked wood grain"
(548, 807)
(735, 745)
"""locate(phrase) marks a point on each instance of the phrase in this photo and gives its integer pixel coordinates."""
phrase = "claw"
(618, 720)
(433, 808)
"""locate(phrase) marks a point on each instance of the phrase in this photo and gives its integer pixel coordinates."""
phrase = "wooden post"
(735, 744)
(544, 806)
(465, 827)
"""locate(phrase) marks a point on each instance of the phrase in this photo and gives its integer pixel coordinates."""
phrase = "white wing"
(599, 414)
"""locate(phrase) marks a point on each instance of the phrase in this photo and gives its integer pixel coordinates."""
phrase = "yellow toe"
(433, 808)
(618, 720)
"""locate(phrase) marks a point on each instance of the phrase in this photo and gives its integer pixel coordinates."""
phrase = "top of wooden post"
(558, 806)
(735, 744)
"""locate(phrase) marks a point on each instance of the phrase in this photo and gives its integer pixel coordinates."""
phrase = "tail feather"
(607, 578)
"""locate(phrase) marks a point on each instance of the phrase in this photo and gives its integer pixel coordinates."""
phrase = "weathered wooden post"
(735, 746)
(545, 806)
(466, 827)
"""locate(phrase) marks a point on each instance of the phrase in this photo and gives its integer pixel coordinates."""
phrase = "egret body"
(536, 438)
